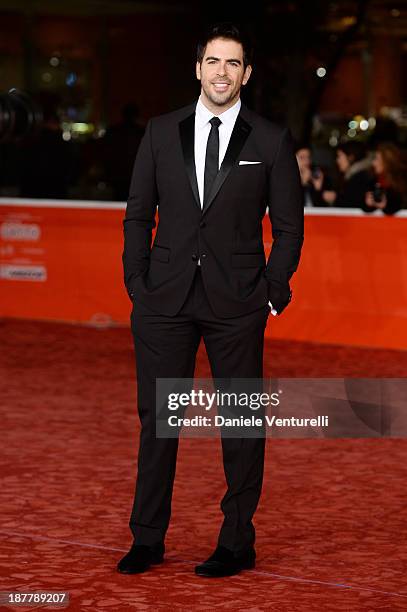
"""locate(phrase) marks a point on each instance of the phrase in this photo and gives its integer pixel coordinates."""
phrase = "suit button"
(202, 224)
(203, 255)
(194, 257)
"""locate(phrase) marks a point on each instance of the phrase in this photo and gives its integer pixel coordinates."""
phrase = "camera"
(20, 116)
(378, 193)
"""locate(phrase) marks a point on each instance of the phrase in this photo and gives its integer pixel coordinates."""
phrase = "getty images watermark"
(208, 401)
(284, 408)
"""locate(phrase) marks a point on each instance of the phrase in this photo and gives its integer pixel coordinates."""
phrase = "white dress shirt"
(202, 128)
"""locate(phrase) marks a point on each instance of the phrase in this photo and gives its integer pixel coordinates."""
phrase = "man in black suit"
(212, 169)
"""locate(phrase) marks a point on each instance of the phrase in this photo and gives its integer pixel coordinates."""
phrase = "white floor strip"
(108, 205)
(191, 562)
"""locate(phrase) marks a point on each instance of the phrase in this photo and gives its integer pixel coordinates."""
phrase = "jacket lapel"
(187, 135)
(238, 137)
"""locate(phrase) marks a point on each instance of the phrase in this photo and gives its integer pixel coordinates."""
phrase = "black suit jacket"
(227, 234)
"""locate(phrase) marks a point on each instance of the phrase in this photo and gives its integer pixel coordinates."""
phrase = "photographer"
(313, 180)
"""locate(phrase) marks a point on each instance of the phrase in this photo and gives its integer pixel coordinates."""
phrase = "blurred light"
(54, 61)
(101, 132)
(46, 77)
(333, 141)
(321, 71)
(395, 12)
(353, 124)
(372, 122)
(71, 79)
(364, 125)
(76, 129)
(82, 128)
(351, 133)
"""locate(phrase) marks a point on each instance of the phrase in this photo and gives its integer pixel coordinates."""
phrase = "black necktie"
(212, 157)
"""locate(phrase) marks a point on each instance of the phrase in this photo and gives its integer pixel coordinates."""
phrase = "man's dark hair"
(301, 144)
(353, 148)
(229, 31)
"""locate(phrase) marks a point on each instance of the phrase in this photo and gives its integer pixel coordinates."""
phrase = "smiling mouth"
(221, 86)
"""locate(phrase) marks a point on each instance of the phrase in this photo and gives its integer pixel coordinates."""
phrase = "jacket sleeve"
(141, 207)
(354, 191)
(286, 213)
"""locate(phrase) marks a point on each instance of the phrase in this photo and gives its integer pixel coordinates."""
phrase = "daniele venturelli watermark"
(209, 401)
(284, 407)
(233, 407)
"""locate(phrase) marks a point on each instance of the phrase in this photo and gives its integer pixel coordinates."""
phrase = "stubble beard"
(220, 99)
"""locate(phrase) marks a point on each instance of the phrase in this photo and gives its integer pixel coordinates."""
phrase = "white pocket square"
(246, 163)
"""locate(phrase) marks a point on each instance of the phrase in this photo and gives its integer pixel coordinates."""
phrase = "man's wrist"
(279, 295)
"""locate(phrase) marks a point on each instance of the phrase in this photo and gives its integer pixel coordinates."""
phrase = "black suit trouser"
(166, 347)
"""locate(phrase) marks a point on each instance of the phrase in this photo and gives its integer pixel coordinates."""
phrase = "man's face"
(222, 73)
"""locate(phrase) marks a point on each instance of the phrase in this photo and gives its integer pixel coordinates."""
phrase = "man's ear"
(247, 74)
(198, 71)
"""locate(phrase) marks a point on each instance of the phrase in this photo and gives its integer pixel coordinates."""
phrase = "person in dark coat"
(357, 178)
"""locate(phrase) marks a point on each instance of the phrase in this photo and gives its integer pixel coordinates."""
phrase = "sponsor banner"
(20, 230)
(25, 273)
(63, 261)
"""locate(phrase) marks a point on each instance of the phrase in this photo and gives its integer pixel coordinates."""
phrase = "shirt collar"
(203, 115)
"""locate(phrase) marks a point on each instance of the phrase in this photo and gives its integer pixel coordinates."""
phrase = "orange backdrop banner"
(62, 261)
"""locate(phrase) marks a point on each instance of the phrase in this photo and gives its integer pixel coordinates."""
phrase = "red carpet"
(331, 527)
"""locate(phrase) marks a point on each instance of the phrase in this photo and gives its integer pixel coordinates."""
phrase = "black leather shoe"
(140, 557)
(225, 562)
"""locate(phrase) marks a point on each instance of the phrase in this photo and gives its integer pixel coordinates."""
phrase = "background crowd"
(367, 177)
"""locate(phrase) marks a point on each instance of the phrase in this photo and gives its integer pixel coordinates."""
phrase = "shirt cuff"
(273, 310)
